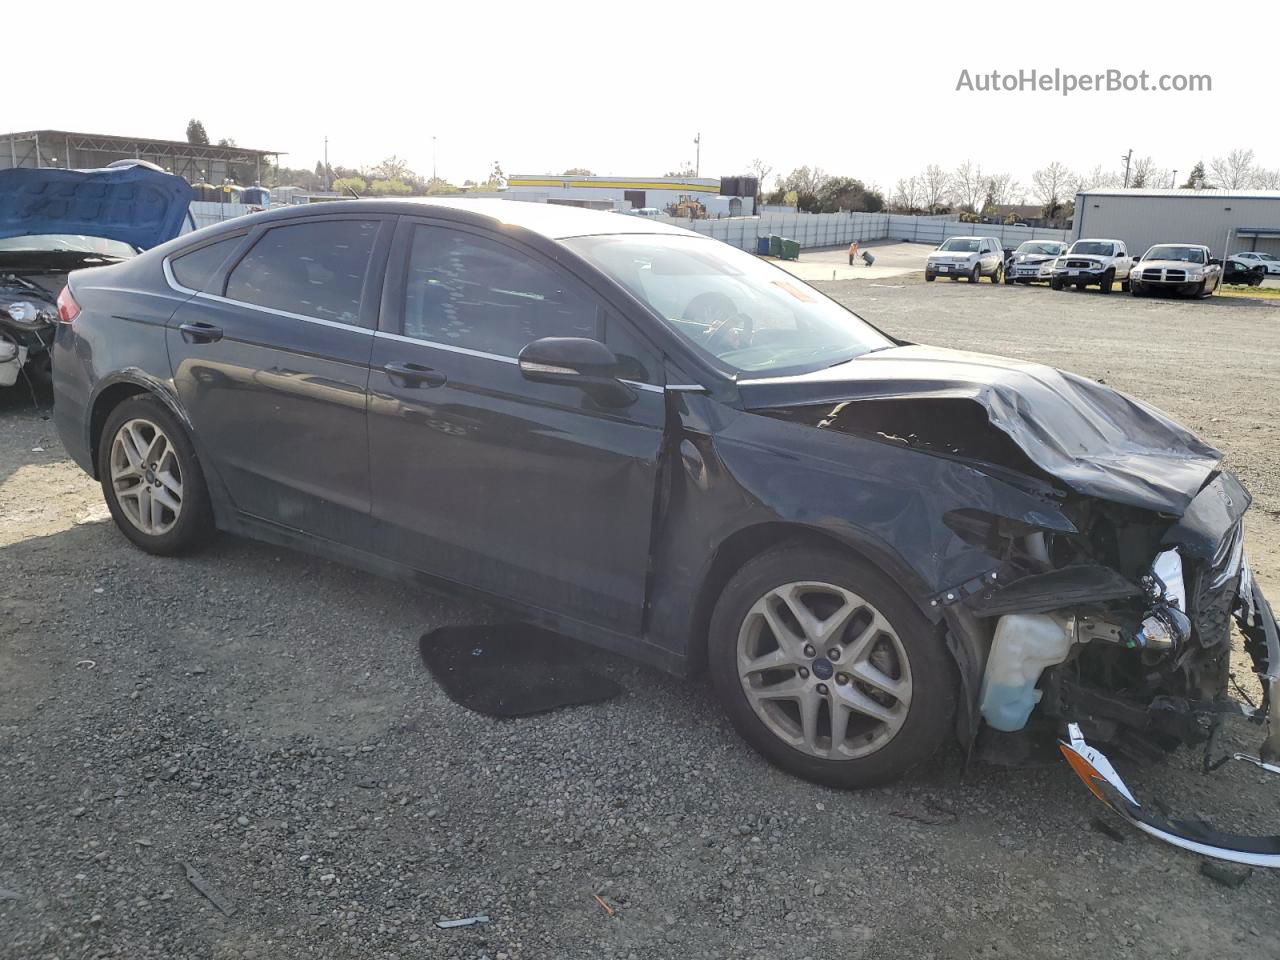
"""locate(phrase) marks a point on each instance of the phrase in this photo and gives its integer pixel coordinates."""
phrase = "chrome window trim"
(354, 328)
(468, 352)
(449, 347)
(173, 281)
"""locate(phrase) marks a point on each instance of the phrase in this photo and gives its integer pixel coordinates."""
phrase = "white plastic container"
(1024, 645)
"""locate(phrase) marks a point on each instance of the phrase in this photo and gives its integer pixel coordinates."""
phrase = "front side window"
(316, 269)
(469, 291)
(739, 310)
(194, 269)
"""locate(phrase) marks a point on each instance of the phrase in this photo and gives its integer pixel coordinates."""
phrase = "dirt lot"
(264, 717)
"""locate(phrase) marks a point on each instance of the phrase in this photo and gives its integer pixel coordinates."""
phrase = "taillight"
(68, 309)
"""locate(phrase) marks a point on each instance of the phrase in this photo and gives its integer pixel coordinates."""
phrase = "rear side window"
(194, 269)
(316, 269)
(470, 291)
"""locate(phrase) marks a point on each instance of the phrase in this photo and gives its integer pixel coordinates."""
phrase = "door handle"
(407, 374)
(200, 332)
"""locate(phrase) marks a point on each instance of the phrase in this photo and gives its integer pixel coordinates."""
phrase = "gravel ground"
(264, 717)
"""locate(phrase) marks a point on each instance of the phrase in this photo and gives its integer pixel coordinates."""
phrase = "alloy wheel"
(824, 670)
(146, 477)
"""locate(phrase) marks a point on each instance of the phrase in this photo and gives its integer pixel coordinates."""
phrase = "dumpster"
(775, 245)
(762, 246)
(790, 250)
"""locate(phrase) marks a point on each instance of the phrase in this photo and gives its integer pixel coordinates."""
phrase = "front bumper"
(1257, 621)
(1078, 275)
(948, 269)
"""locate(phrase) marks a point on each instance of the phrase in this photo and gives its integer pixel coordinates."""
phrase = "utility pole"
(1173, 181)
(433, 158)
(1126, 158)
(697, 163)
(327, 181)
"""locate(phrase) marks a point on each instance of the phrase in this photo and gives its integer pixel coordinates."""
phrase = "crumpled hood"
(1094, 439)
(135, 205)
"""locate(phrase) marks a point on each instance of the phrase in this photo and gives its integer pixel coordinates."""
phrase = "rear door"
(271, 362)
(529, 491)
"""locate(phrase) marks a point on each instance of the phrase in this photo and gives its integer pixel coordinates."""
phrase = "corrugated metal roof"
(1215, 192)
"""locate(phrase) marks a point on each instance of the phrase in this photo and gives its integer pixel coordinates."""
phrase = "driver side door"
(529, 491)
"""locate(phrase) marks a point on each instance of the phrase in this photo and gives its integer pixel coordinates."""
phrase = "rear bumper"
(71, 399)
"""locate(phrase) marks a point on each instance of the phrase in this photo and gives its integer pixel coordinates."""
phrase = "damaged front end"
(1121, 625)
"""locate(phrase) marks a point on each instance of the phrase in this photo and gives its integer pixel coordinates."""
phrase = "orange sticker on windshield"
(796, 292)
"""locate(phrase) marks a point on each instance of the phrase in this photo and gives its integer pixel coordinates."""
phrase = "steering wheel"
(717, 310)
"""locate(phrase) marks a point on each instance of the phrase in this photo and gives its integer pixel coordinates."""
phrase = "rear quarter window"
(193, 270)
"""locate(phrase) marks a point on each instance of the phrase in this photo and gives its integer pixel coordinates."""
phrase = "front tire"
(929, 278)
(828, 670)
(976, 275)
(1055, 283)
(151, 480)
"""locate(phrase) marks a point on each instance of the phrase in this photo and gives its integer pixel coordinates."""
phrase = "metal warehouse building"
(84, 151)
(727, 197)
(1226, 221)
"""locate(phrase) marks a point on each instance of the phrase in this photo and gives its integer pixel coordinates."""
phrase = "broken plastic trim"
(1092, 766)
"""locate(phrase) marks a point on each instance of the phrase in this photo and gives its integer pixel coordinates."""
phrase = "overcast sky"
(859, 88)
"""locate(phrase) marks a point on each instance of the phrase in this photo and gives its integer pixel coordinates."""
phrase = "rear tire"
(151, 478)
(881, 636)
(998, 274)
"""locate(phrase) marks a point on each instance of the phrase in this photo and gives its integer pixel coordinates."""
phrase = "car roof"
(1096, 240)
(554, 221)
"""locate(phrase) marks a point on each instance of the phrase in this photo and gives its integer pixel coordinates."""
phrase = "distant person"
(853, 252)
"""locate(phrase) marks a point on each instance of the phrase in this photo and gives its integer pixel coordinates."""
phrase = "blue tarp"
(133, 204)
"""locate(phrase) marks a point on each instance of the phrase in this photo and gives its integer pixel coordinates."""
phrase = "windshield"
(1039, 246)
(1099, 248)
(745, 313)
(1187, 254)
(960, 245)
(68, 243)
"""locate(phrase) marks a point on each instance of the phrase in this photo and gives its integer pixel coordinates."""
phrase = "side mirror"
(577, 362)
(1137, 258)
(1215, 263)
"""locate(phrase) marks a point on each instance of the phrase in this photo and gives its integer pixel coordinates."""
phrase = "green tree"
(196, 134)
(390, 188)
(347, 184)
(1197, 177)
(846, 193)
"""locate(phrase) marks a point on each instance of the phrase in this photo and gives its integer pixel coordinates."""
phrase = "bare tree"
(906, 194)
(760, 170)
(968, 186)
(1145, 173)
(1050, 184)
(1096, 179)
(1235, 170)
(1001, 189)
(1264, 179)
(933, 187)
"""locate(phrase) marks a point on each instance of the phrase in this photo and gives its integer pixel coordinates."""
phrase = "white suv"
(1093, 263)
(971, 257)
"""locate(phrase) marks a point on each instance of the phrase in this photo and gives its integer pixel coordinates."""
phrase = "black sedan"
(660, 444)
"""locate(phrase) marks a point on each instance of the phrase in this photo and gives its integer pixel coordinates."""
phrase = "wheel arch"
(747, 543)
(110, 395)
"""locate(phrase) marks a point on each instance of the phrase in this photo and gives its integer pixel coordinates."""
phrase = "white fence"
(840, 229)
(205, 212)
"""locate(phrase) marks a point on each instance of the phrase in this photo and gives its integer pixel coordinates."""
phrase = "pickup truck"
(1093, 263)
(1185, 269)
